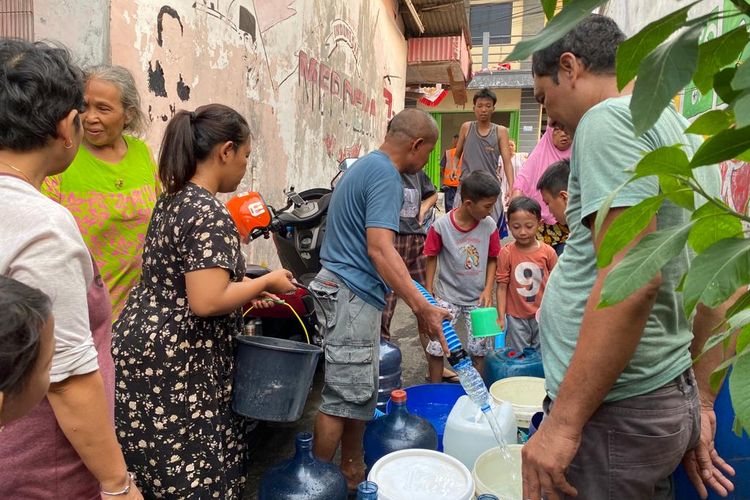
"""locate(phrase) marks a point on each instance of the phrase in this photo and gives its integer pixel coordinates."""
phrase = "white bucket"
(468, 433)
(492, 474)
(421, 475)
(526, 394)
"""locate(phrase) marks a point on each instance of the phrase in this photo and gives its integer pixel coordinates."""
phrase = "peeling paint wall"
(317, 80)
(83, 27)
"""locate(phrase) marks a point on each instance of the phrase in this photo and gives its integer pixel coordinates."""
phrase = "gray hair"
(122, 79)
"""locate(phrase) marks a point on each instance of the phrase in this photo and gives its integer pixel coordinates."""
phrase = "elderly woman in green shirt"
(111, 186)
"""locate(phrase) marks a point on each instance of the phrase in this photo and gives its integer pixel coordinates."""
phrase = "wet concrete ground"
(275, 442)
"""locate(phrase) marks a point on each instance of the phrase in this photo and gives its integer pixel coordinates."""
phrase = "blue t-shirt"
(368, 195)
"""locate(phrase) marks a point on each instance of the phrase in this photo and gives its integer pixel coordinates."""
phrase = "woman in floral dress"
(174, 342)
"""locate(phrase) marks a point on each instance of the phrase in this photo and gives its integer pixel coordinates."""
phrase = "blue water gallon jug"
(507, 362)
(390, 372)
(399, 430)
(303, 477)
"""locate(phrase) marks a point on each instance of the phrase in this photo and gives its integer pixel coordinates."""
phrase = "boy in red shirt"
(522, 272)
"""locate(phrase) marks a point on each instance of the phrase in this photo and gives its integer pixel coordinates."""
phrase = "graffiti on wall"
(735, 184)
(166, 77)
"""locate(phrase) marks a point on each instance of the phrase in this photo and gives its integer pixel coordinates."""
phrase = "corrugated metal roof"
(439, 17)
(17, 19)
(502, 80)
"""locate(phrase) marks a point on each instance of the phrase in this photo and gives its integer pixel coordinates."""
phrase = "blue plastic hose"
(454, 343)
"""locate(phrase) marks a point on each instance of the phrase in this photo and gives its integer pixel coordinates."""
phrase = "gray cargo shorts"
(631, 447)
(351, 334)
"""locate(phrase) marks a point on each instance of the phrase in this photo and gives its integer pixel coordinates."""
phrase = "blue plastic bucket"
(434, 403)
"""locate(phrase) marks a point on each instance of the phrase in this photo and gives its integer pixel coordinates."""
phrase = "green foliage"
(549, 8)
(717, 53)
(636, 48)
(713, 222)
(662, 74)
(717, 273)
(642, 263)
(725, 145)
(717, 235)
(739, 391)
(624, 229)
(741, 108)
(712, 122)
(558, 27)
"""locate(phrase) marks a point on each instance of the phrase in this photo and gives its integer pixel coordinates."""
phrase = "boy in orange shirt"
(522, 272)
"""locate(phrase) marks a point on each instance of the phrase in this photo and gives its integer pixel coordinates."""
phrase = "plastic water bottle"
(367, 490)
(473, 384)
(487, 496)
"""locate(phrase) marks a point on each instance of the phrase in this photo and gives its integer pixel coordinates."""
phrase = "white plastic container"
(526, 394)
(468, 433)
(421, 475)
(493, 474)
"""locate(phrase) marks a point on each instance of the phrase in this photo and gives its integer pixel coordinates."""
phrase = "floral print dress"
(174, 370)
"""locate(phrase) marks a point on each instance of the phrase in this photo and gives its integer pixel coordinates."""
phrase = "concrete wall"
(634, 15)
(317, 80)
(83, 27)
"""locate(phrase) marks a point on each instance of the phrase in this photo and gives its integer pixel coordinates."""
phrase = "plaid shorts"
(477, 346)
(410, 248)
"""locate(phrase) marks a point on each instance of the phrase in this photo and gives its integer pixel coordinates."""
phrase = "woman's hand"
(279, 281)
(265, 301)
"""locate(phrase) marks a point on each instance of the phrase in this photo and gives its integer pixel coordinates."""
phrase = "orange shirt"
(526, 275)
(451, 175)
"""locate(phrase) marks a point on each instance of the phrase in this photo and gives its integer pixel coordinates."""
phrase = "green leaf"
(642, 263)
(549, 8)
(742, 303)
(723, 84)
(631, 52)
(725, 145)
(717, 377)
(664, 160)
(627, 226)
(565, 20)
(713, 341)
(739, 390)
(601, 214)
(711, 225)
(662, 74)
(741, 78)
(741, 320)
(741, 107)
(743, 339)
(717, 53)
(711, 122)
(717, 273)
(677, 192)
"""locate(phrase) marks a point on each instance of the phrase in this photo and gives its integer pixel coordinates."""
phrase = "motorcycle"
(297, 231)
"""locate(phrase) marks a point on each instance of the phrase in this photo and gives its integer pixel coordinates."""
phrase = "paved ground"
(275, 442)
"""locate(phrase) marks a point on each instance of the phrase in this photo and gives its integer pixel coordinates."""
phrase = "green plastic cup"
(484, 322)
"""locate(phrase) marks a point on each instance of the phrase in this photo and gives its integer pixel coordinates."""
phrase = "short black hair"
(555, 178)
(479, 185)
(594, 41)
(39, 86)
(485, 93)
(524, 204)
(23, 312)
